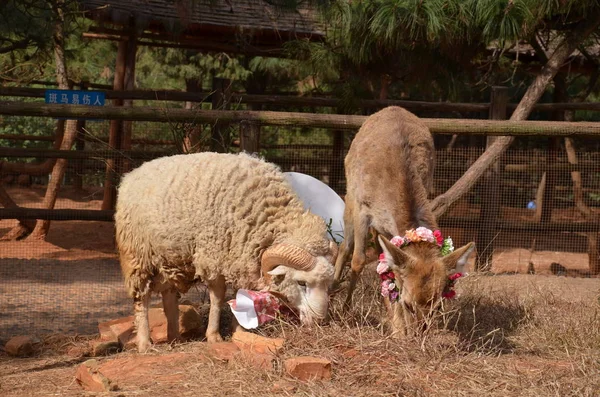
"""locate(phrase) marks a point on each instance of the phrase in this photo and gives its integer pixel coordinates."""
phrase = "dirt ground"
(61, 288)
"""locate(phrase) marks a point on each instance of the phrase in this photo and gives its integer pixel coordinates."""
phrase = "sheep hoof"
(214, 337)
(144, 346)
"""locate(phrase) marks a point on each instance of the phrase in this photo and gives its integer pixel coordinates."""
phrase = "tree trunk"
(443, 202)
(42, 226)
(70, 134)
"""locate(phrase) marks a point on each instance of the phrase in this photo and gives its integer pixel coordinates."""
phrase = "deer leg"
(361, 223)
(216, 289)
(347, 245)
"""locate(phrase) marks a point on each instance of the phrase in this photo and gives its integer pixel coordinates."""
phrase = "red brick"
(21, 346)
(91, 379)
(223, 351)
(252, 342)
(308, 368)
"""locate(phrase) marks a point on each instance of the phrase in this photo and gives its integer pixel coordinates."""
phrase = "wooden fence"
(251, 121)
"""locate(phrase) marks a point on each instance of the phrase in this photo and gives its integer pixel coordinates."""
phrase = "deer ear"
(458, 259)
(397, 259)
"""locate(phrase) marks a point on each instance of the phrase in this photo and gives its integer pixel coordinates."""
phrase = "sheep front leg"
(216, 289)
(171, 307)
(140, 307)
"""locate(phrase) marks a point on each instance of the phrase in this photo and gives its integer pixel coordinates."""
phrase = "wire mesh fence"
(548, 203)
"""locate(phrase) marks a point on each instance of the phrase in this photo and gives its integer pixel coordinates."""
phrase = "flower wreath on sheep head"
(389, 287)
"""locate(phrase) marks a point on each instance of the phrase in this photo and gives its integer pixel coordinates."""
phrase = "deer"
(389, 174)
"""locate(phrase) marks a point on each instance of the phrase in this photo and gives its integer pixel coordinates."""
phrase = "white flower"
(425, 234)
(391, 286)
(382, 267)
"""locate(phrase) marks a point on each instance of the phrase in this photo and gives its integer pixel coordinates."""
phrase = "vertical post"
(250, 136)
(490, 207)
(220, 139)
(79, 145)
(115, 133)
(128, 85)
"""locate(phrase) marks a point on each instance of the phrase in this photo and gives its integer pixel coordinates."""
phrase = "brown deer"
(389, 169)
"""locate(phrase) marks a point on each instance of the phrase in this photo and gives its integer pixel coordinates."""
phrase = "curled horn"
(288, 255)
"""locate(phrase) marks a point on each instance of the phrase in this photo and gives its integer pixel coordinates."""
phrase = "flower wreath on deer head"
(390, 287)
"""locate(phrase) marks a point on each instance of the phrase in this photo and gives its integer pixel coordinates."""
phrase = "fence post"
(249, 136)
(220, 137)
(492, 188)
(115, 132)
(128, 85)
(79, 145)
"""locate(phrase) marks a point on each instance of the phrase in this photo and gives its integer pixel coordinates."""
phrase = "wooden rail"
(83, 154)
(455, 222)
(87, 138)
(331, 121)
(302, 101)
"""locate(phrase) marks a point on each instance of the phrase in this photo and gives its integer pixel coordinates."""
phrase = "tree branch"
(443, 202)
(17, 45)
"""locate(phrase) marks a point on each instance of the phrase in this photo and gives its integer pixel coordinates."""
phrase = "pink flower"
(438, 237)
(384, 291)
(394, 296)
(381, 257)
(397, 241)
(382, 267)
(455, 276)
(425, 234)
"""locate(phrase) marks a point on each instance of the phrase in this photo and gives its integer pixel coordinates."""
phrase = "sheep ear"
(397, 259)
(278, 271)
(458, 259)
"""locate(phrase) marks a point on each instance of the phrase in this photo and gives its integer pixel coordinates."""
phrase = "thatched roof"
(239, 22)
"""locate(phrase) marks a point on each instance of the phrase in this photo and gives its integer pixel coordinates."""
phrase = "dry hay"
(521, 335)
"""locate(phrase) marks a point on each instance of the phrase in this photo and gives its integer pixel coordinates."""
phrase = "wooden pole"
(220, 137)
(129, 84)
(249, 137)
(300, 101)
(334, 121)
(79, 146)
(492, 188)
(115, 132)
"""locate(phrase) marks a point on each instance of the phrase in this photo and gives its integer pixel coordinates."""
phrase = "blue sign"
(75, 97)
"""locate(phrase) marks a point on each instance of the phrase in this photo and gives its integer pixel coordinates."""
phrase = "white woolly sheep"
(218, 218)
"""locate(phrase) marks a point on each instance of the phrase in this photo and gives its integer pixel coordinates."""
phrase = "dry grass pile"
(515, 335)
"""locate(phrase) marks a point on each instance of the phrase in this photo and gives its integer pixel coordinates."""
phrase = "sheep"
(389, 169)
(220, 219)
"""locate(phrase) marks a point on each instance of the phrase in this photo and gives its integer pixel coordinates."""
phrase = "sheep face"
(423, 274)
(305, 291)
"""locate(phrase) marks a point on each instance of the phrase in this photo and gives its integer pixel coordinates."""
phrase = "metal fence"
(72, 280)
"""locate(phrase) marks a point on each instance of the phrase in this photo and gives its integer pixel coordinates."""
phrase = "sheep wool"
(199, 216)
